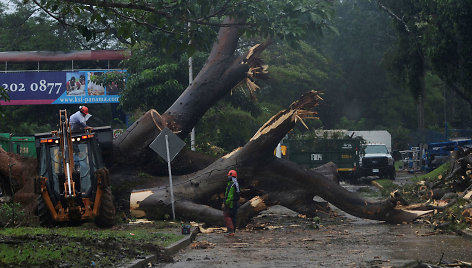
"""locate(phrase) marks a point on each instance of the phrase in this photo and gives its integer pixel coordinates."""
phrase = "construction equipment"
(438, 153)
(73, 182)
(411, 159)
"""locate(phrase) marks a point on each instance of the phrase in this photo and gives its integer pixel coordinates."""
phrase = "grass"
(82, 246)
(398, 164)
(433, 175)
(142, 234)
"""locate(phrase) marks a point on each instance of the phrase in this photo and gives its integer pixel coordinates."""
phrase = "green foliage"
(294, 71)
(180, 21)
(154, 80)
(407, 62)
(286, 20)
(225, 127)
(400, 136)
(157, 75)
(362, 95)
(345, 123)
(445, 29)
(359, 89)
(27, 28)
(12, 215)
(319, 135)
(433, 35)
(453, 216)
(4, 94)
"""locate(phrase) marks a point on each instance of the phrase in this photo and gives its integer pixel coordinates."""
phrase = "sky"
(9, 5)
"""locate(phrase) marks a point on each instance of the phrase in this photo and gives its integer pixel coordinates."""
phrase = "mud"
(279, 240)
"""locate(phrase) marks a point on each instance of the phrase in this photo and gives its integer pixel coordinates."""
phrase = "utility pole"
(190, 80)
(445, 116)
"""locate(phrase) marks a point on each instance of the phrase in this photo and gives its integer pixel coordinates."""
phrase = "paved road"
(275, 240)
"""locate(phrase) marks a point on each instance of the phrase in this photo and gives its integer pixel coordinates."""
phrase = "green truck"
(312, 153)
(22, 145)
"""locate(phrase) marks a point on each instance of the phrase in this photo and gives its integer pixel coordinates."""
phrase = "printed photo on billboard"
(95, 87)
(75, 84)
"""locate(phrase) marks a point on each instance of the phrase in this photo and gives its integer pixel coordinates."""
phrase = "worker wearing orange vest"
(231, 202)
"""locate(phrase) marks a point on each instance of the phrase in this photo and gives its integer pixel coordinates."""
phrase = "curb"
(167, 251)
(466, 232)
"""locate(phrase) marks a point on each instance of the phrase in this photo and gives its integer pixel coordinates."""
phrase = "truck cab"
(377, 161)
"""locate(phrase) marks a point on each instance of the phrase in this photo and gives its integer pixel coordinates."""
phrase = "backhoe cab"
(73, 183)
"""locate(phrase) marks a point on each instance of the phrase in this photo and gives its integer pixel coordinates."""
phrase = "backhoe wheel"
(45, 218)
(106, 213)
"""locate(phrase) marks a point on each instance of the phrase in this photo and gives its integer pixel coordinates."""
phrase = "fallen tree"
(256, 162)
(277, 180)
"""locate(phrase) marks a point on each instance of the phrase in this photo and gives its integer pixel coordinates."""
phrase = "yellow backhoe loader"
(73, 182)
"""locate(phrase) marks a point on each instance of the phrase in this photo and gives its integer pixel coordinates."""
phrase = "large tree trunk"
(256, 159)
(223, 70)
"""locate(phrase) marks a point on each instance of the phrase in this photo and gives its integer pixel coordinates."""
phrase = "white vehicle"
(377, 161)
(374, 137)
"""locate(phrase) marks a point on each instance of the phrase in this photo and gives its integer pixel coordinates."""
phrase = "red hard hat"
(233, 173)
(84, 109)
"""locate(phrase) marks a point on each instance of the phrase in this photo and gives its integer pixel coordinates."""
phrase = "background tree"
(367, 94)
(436, 32)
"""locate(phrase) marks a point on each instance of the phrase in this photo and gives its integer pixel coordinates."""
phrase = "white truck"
(374, 137)
(377, 161)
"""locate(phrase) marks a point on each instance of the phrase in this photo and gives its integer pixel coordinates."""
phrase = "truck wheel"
(393, 175)
(106, 213)
(45, 218)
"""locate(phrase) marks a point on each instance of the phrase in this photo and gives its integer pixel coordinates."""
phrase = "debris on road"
(445, 194)
(202, 245)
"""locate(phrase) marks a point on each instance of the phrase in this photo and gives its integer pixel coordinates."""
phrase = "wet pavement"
(349, 244)
(279, 238)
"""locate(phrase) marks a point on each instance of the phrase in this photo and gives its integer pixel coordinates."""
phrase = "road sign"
(167, 145)
(159, 144)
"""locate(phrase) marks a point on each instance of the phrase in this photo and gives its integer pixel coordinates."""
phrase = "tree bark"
(256, 159)
(223, 70)
(17, 177)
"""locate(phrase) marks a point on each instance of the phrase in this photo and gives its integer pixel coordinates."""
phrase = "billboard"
(71, 87)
